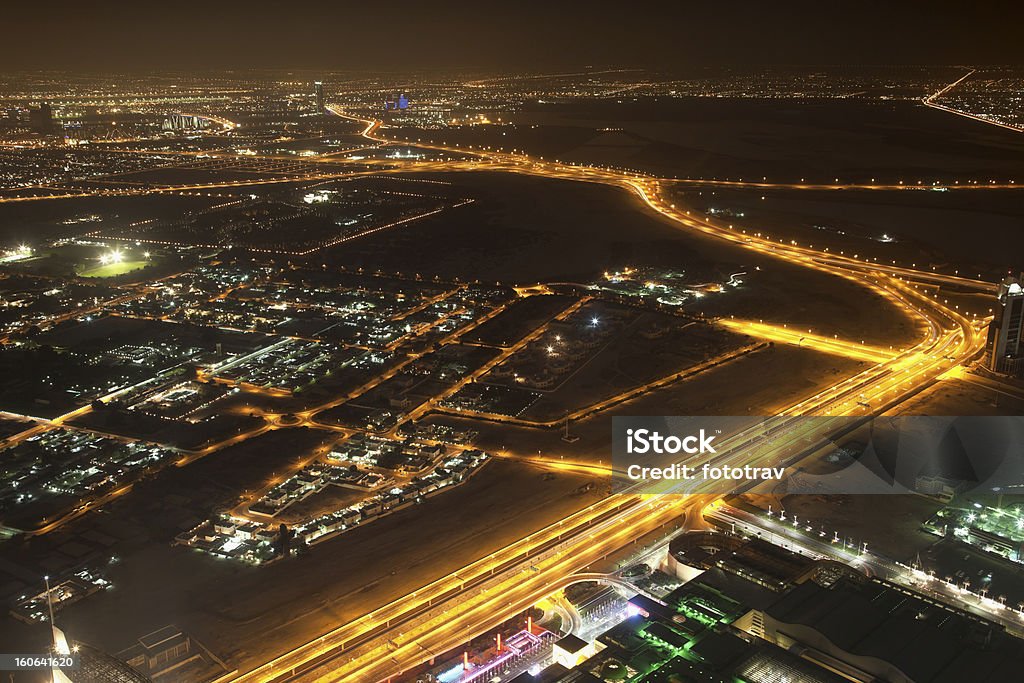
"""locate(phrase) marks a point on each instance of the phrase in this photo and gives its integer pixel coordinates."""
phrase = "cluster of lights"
(112, 256)
(116, 256)
(22, 251)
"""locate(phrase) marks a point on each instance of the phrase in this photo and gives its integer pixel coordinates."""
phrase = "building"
(41, 118)
(571, 650)
(397, 102)
(177, 122)
(993, 542)
(318, 92)
(91, 664)
(1005, 332)
(169, 654)
(874, 630)
(941, 488)
(754, 560)
(762, 614)
(689, 639)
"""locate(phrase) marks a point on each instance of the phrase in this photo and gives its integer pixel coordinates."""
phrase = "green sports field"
(111, 269)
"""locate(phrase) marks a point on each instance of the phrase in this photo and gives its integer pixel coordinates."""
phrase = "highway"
(409, 630)
(426, 600)
(443, 616)
(950, 340)
(512, 592)
(930, 101)
(466, 611)
(796, 337)
(443, 613)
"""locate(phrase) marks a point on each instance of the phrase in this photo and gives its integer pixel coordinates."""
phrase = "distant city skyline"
(459, 34)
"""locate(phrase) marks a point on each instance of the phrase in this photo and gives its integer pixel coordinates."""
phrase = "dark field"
(518, 320)
(973, 231)
(523, 230)
(761, 383)
(784, 140)
(33, 222)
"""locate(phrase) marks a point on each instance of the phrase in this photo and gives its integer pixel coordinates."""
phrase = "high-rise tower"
(318, 91)
(1006, 335)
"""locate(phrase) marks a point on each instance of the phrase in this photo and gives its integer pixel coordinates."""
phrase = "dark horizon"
(128, 37)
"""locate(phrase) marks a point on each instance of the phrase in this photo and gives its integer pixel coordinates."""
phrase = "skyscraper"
(396, 102)
(1006, 335)
(318, 90)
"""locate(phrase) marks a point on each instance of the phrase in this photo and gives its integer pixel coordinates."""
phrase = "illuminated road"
(930, 101)
(354, 651)
(442, 614)
(795, 337)
(515, 591)
(465, 610)
(837, 185)
(426, 600)
(380, 645)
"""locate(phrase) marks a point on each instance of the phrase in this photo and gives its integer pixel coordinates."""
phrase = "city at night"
(523, 343)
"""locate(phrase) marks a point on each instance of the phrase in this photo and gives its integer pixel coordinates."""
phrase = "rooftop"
(923, 640)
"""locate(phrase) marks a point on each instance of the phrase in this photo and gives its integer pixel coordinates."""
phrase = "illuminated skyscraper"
(1006, 335)
(318, 90)
(396, 102)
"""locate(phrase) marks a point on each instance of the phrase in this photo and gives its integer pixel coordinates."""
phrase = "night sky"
(118, 35)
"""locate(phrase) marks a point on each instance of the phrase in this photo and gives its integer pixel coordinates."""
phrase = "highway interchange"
(453, 608)
(440, 615)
